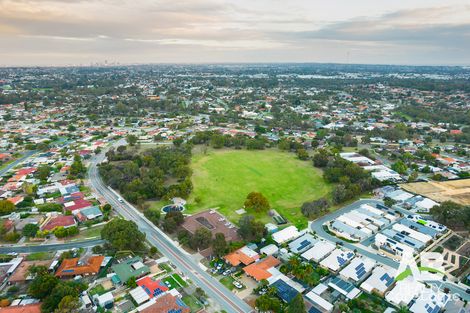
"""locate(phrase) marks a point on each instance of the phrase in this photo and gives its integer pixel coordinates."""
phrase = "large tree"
(202, 239)
(6, 207)
(297, 305)
(124, 235)
(219, 245)
(250, 229)
(257, 202)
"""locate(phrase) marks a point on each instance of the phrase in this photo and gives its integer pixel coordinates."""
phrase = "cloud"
(229, 30)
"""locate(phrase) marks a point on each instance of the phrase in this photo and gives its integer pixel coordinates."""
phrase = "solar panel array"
(360, 270)
(304, 244)
(387, 279)
(284, 291)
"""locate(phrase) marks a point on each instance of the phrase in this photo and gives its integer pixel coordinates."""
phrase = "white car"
(120, 200)
(237, 284)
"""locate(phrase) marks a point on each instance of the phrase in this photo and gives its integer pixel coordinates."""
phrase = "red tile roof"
(70, 267)
(60, 220)
(30, 308)
(78, 204)
(152, 287)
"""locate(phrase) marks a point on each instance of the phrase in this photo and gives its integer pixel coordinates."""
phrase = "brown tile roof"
(20, 273)
(70, 267)
(259, 270)
(165, 304)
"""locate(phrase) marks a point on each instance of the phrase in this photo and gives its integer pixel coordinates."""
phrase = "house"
(404, 291)
(284, 290)
(286, 234)
(133, 267)
(429, 301)
(153, 288)
(318, 251)
(381, 279)
(53, 222)
(270, 249)
(260, 269)
(302, 244)
(28, 308)
(346, 289)
(91, 213)
(244, 256)
(358, 269)
(164, 304)
(337, 259)
(105, 300)
(314, 296)
(75, 266)
(392, 246)
(20, 275)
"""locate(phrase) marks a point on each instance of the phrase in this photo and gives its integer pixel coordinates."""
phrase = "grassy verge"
(39, 256)
(192, 302)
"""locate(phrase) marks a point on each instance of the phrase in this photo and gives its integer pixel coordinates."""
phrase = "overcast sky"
(73, 32)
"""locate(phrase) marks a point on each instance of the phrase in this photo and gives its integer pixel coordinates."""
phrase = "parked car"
(237, 284)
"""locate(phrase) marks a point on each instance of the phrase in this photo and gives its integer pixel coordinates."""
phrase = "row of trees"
(218, 141)
(452, 215)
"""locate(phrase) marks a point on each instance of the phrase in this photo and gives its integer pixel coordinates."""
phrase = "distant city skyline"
(80, 32)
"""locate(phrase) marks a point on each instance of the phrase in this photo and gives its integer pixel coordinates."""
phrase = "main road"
(181, 259)
(51, 247)
(16, 162)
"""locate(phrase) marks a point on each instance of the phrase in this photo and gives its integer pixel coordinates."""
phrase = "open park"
(223, 178)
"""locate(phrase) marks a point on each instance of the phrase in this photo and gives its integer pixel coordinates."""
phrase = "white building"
(337, 259)
(358, 269)
(285, 235)
(319, 250)
(380, 280)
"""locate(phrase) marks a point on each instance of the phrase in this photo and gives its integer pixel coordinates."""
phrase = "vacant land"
(453, 190)
(222, 179)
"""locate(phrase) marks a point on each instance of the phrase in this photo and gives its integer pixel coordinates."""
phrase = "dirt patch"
(453, 190)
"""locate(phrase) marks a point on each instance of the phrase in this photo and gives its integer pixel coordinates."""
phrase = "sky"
(80, 32)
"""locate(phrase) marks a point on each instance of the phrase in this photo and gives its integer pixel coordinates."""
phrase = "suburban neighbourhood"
(203, 189)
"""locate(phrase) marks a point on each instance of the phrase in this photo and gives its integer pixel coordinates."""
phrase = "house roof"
(30, 308)
(60, 220)
(77, 205)
(166, 304)
(243, 256)
(131, 267)
(153, 288)
(259, 270)
(71, 267)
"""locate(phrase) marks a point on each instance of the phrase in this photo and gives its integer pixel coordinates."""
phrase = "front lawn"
(227, 281)
(223, 179)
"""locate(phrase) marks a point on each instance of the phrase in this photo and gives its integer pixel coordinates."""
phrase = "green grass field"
(223, 179)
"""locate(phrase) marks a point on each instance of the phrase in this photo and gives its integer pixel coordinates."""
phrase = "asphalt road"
(181, 259)
(51, 247)
(317, 226)
(16, 162)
